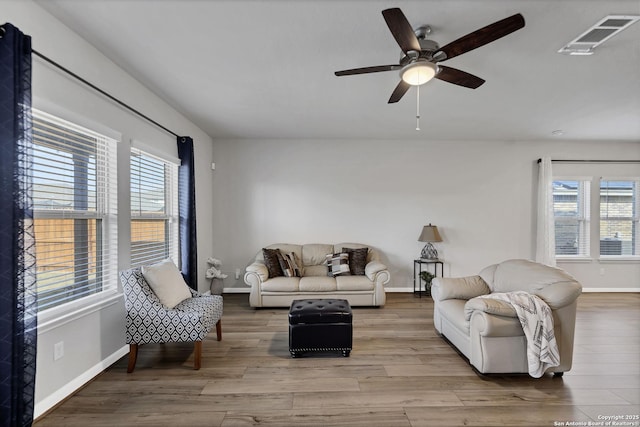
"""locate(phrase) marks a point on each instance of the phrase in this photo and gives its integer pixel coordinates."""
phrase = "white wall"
(481, 195)
(94, 338)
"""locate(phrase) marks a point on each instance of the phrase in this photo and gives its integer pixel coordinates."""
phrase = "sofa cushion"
(317, 284)
(338, 264)
(462, 288)
(487, 274)
(357, 260)
(523, 275)
(353, 283)
(315, 253)
(315, 270)
(282, 284)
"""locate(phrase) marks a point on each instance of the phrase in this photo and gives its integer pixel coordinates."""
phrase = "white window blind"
(154, 209)
(571, 215)
(619, 217)
(75, 211)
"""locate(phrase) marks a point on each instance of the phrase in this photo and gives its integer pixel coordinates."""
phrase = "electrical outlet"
(58, 350)
(238, 272)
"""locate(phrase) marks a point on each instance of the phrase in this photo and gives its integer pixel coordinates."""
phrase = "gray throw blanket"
(537, 323)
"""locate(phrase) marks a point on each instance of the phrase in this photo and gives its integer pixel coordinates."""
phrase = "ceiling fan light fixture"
(418, 73)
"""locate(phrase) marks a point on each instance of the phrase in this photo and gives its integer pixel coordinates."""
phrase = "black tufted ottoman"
(320, 325)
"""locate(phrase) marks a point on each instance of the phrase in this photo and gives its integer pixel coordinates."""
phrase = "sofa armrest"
(490, 306)
(444, 288)
(256, 273)
(490, 325)
(560, 294)
(373, 268)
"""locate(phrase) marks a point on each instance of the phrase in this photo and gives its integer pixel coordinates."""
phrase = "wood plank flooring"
(400, 373)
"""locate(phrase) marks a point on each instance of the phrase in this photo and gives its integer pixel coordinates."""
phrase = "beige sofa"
(492, 339)
(359, 290)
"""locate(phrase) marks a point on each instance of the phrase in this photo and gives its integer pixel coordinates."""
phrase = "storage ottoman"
(320, 325)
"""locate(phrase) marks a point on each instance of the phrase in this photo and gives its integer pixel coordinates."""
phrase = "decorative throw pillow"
(289, 265)
(167, 282)
(272, 262)
(338, 264)
(357, 260)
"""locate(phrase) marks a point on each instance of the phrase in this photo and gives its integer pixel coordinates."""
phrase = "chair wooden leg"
(133, 356)
(197, 354)
(219, 329)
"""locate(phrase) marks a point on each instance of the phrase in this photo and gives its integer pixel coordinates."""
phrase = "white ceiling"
(264, 69)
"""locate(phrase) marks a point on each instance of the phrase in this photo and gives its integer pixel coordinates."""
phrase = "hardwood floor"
(400, 373)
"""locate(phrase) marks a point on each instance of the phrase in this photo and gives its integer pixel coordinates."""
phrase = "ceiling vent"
(603, 30)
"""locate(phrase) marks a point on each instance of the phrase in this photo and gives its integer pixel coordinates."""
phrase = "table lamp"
(429, 234)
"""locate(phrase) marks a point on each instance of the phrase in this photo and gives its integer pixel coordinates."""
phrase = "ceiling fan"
(421, 57)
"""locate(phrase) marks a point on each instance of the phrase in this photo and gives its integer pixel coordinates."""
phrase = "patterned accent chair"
(148, 321)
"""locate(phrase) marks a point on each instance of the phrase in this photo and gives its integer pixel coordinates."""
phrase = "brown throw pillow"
(272, 262)
(357, 260)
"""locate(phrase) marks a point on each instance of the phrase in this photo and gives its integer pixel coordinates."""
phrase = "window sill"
(574, 259)
(619, 259)
(58, 316)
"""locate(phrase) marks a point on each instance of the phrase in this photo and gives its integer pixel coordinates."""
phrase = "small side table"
(417, 269)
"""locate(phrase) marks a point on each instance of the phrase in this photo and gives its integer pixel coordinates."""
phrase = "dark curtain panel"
(18, 311)
(187, 211)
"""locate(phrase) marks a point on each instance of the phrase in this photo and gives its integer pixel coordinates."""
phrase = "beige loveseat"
(364, 287)
(488, 331)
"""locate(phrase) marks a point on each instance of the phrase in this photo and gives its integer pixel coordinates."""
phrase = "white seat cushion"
(317, 284)
(281, 284)
(453, 311)
(354, 283)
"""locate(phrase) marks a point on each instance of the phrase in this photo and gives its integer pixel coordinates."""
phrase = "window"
(75, 208)
(619, 215)
(154, 209)
(571, 215)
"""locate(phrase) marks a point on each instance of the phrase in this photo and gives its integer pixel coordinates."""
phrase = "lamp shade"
(418, 73)
(430, 234)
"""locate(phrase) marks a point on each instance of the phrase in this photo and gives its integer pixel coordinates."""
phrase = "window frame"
(170, 215)
(583, 217)
(104, 213)
(634, 218)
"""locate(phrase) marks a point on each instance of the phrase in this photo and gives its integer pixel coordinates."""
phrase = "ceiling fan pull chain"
(418, 108)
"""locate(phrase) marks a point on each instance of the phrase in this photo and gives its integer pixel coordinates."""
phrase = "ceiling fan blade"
(482, 36)
(401, 29)
(365, 70)
(458, 77)
(399, 92)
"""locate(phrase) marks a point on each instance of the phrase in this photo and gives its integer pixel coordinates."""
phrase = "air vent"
(606, 28)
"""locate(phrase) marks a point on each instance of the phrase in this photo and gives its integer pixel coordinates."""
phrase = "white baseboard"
(399, 290)
(410, 290)
(247, 290)
(72, 386)
(236, 290)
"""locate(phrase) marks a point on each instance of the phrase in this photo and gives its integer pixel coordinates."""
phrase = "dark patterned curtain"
(187, 211)
(18, 312)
